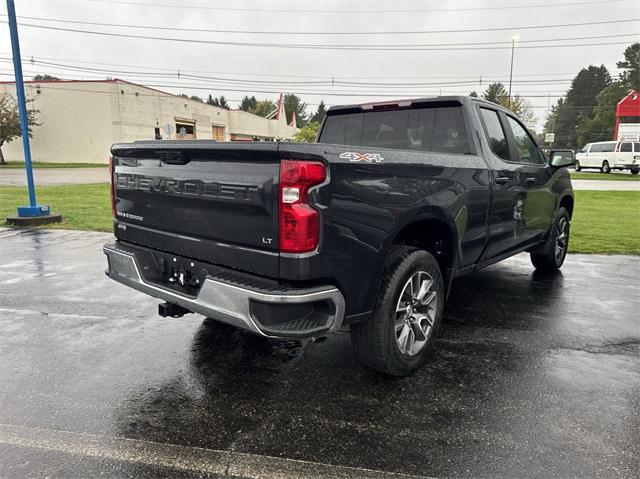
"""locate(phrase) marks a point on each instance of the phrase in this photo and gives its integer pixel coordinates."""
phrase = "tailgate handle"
(172, 157)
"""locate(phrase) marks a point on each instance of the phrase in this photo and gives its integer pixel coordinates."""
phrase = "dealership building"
(81, 119)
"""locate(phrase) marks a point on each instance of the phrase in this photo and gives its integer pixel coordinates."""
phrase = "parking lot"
(532, 376)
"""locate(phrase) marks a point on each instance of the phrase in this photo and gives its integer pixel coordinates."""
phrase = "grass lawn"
(606, 222)
(601, 176)
(83, 207)
(603, 221)
(36, 164)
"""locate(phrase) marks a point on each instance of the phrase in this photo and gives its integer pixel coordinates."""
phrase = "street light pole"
(513, 48)
(34, 213)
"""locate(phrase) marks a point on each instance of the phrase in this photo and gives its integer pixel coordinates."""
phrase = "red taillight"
(299, 222)
(113, 187)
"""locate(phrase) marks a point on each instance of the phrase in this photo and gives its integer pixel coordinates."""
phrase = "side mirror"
(562, 158)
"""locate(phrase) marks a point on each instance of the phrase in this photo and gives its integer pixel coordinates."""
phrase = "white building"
(81, 119)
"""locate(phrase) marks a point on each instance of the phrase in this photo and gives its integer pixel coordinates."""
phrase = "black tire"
(635, 171)
(606, 169)
(376, 340)
(577, 166)
(553, 259)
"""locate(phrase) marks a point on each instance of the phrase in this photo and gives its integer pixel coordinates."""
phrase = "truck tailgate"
(215, 202)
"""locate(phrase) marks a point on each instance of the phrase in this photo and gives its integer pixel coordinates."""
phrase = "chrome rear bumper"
(238, 305)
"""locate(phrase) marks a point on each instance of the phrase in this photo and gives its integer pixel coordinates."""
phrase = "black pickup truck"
(364, 229)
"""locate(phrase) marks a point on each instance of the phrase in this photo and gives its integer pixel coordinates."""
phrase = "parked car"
(365, 229)
(608, 155)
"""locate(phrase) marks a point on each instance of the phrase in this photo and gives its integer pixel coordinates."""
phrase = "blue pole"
(33, 209)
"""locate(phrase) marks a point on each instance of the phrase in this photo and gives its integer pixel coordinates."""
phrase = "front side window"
(495, 133)
(625, 147)
(440, 129)
(526, 149)
(585, 148)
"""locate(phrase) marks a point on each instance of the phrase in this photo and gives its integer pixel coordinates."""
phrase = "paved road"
(611, 185)
(533, 376)
(54, 176)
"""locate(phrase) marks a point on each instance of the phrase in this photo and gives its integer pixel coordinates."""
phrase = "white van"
(627, 156)
(608, 155)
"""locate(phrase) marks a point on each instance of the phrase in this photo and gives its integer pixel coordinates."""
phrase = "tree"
(293, 103)
(10, 121)
(522, 108)
(579, 103)
(219, 102)
(196, 98)
(263, 107)
(600, 125)
(45, 77)
(308, 132)
(473, 94)
(495, 92)
(630, 67)
(320, 113)
(248, 103)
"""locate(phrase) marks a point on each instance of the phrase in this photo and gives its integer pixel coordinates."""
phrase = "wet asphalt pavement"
(533, 376)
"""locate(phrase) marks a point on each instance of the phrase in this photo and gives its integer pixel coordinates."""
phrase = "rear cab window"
(495, 133)
(426, 127)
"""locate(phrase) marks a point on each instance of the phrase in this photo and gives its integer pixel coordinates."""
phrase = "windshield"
(439, 129)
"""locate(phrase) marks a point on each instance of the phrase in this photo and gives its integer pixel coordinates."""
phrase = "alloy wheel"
(562, 239)
(415, 313)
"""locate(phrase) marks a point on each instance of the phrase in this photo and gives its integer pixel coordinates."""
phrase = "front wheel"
(407, 315)
(553, 259)
(635, 171)
(605, 167)
(577, 166)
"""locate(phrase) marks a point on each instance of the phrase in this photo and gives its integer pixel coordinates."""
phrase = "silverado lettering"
(365, 230)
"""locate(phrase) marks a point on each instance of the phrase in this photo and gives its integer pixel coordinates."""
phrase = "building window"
(185, 131)
(157, 133)
(218, 133)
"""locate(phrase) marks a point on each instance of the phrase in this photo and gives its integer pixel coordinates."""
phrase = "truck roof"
(407, 102)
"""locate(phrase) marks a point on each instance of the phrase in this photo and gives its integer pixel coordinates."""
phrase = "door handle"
(502, 180)
(532, 180)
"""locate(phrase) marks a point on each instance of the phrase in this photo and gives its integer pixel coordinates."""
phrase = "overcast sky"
(538, 72)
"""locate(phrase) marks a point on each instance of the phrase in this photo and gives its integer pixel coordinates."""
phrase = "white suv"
(608, 155)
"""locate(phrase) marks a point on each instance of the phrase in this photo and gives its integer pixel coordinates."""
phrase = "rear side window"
(495, 133)
(439, 129)
(626, 147)
(525, 147)
(608, 147)
(636, 147)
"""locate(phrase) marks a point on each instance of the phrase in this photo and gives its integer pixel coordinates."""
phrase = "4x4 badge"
(367, 157)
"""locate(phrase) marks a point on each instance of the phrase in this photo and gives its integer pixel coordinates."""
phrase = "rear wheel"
(407, 316)
(605, 167)
(553, 259)
(635, 171)
(578, 167)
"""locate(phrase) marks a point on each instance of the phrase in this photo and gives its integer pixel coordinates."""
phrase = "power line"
(175, 69)
(367, 33)
(325, 82)
(362, 11)
(311, 46)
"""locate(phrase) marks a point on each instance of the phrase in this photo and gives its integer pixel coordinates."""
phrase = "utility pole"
(33, 214)
(514, 39)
